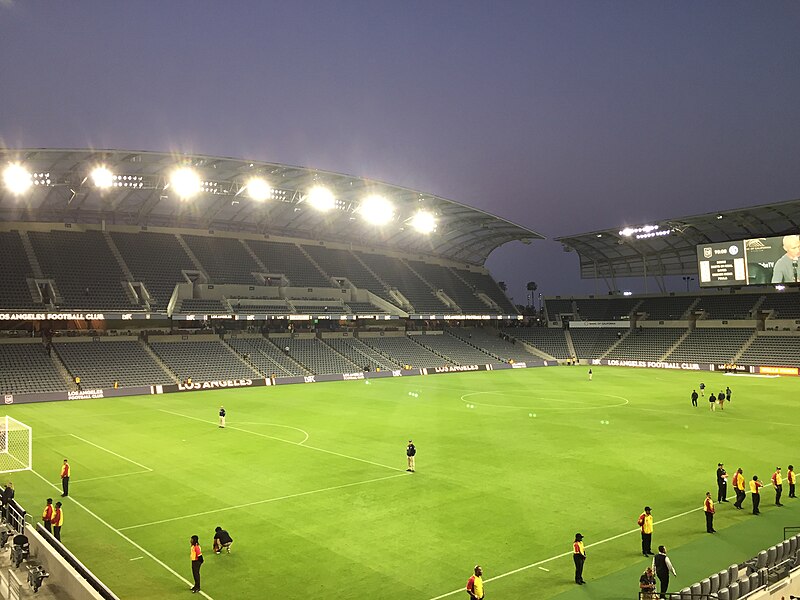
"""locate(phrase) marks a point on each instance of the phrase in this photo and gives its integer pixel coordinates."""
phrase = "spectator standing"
(475, 584)
(708, 509)
(411, 452)
(222, 417)
(755, 486)
(578, 557)
(6, 498)
(694, 398)
(728, 393)
(645, 522)
(47, 515)
(663, 567)
(222, 539)
(712, 402)
(777, 483)
(65, 471)
(196, 555)
(790, 479)
(57, 520)
(722, 483)
(738, 487)
(647, 585)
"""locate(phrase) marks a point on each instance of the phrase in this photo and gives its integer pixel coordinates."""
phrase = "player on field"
(694, 398)
(411, 452)
(222, 417)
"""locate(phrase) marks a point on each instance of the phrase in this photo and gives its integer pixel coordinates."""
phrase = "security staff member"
(694, 398)
(708, 508)
(777, 483)
(57, 520)
(196, 555)
(738, 487)
(790, 479)
(722, 483)
(47, 515)
(646, 523)
(411, 452)
(65, 470)
(222, 417)
(755, 486)
(578, 557)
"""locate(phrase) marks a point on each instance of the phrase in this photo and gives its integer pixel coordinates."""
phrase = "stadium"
(141, 292)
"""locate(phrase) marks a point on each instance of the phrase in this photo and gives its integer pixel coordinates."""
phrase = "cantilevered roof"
(608, 253)
(63, 191)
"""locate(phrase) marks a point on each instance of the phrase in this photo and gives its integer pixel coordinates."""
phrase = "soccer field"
(310, 481)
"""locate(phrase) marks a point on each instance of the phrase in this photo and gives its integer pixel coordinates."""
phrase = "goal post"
(16, 446)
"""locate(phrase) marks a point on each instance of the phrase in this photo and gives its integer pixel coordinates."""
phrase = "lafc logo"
(707, 252)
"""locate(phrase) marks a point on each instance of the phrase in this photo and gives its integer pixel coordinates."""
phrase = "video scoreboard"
(743, 262)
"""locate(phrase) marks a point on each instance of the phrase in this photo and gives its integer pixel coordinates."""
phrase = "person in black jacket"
(722, 484)
(222, 539)
(694, 398)
(411, 452)
(7, 497)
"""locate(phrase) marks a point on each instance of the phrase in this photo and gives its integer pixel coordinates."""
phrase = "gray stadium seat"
(733, 592)
(793, 544)
(772, 555)
(696, 593)
(705, 587)
(724, 579)
(787, 550)
(723, 594)
(714, 583)
(778, 553)
(763, 556)
(733, 573)
(686, 594)
(744, 587)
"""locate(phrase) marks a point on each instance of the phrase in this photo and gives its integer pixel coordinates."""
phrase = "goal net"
(15, 446)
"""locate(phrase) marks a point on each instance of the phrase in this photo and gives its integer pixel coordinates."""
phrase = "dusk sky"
(562, 116)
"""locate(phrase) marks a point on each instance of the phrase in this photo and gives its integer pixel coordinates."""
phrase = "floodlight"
(424, 222)
(321, 198)
(185, 181)
(102, 177)
(17, 178)
(627, 232)
(258, 189)
(376, 210)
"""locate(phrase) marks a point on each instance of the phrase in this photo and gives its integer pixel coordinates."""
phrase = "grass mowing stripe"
(111, 476)
(569, 553)
(111, 452)
(299, 444)
(267, 501)
(123, 536)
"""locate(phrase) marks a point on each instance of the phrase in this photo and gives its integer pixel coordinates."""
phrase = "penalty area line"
(259, 502)
(123, 536)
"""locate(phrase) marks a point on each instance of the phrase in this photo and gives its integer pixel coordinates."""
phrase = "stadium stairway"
(254, 256)
(749, 341)
(192, 256)
(159, 362)
(242, 359)
(615, 344)
(570, 345)
(316, 265)
(675, 345)
(32, 258)
(69, 383)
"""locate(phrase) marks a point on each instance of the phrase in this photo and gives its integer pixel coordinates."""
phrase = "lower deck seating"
(593, 342)
(646, 343)
(455, 350)
(27, 369)
(202, 360)
(551, 341)
(319, 357)
(488, 340)
(405, 351)
(775, 350)
(359, 353)
(100, 363)
(711, 345)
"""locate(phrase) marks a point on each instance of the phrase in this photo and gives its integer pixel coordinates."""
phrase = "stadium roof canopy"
(63, 191)
(667, 247)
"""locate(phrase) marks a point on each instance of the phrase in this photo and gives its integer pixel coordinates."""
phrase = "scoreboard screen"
(757, 261)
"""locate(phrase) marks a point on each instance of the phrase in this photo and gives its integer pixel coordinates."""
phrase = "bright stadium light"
(258, 189)
(376, 210)
(17, 178)
(424, 222)
(102, 177)
(321, 198)
(185, 181)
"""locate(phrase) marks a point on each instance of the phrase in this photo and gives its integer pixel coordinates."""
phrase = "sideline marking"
(626, 402)
(299, 444)
(569, 553)
(258, 502)
(137, 558)
(111, 452)
(123, 536)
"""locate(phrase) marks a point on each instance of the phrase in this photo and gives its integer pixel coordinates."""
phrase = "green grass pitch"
(310, 481)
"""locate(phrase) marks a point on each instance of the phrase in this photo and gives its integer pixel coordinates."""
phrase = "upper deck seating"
(396, 273)
(225, 260)
(666, 308)
(487, 285)
(14, 272)
(443, 278)
(288, 260)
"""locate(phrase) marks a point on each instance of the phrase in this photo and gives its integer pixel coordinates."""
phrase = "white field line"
(112, 452)
(299, 444)
(124, 537)
(569, 553)
(259, 502)
(137, 558)
(303, 431)
(112, 476)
